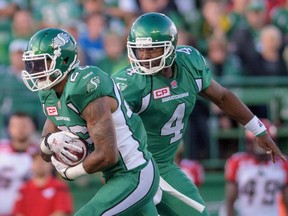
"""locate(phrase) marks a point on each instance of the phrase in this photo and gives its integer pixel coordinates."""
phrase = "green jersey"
(164, 104)
(84, 85)
(280, 18)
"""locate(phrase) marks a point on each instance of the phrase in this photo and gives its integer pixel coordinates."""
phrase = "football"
(79, 155)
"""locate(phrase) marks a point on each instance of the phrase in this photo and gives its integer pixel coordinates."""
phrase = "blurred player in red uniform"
(15, 159)
(192, 168)
(253, 182)
(44, 194)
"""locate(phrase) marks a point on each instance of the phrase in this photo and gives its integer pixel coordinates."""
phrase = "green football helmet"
(51, 54)
(152, 30)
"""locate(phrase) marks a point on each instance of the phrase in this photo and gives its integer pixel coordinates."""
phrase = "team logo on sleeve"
(160, 93)
(122, 86)
(93, 84)
(51, 111)
(174, 84)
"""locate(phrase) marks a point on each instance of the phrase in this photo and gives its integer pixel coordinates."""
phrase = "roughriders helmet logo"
(59, 41)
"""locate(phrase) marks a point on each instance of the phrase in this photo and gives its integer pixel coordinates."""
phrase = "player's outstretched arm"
(237, 110)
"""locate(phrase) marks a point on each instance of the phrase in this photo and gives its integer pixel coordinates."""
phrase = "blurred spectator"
(248, 36)
(279, 17)
(115, 12)
(236, 14)
(245, 43)
(92, 6)
(43, 194)
(122, 9)
(185, 37)
(115, 53)
(213, 22)
(23, 25)
(7, 11)
(271, 61)
(53, 13)
(14, 94)
(114, 8)
(268, 61)
(15, 159)
(253, 181)
(128, 23)
(166, 7)
(192, 168)
(92, 39)
(222, 63)
(271, 5)
(188, 9)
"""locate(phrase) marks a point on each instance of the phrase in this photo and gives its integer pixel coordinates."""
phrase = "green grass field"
(213, 191)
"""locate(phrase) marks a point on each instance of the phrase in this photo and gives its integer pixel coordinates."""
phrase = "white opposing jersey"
(14, 170)
(259, 184)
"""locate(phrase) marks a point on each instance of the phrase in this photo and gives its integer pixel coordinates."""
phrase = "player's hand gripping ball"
(67, 147)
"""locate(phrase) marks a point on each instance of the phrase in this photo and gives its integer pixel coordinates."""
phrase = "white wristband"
(255, 126)
(44, 148)
(75, 172)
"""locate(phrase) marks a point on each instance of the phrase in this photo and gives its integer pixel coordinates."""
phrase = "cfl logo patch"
(160, 93)
(52, 111)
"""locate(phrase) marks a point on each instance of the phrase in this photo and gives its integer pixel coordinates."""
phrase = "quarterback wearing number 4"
(83, 103)
(161, 85)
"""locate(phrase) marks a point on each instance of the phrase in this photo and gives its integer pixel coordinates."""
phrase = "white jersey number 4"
(175, 124)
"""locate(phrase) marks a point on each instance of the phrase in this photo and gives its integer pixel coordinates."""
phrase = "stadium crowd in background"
(219, 29)
(238, 38)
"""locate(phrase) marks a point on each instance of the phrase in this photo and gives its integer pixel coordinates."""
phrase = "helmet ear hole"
(65, 60)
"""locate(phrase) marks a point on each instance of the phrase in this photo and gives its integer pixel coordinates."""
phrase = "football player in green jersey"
(161, 85)
(86, 102)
